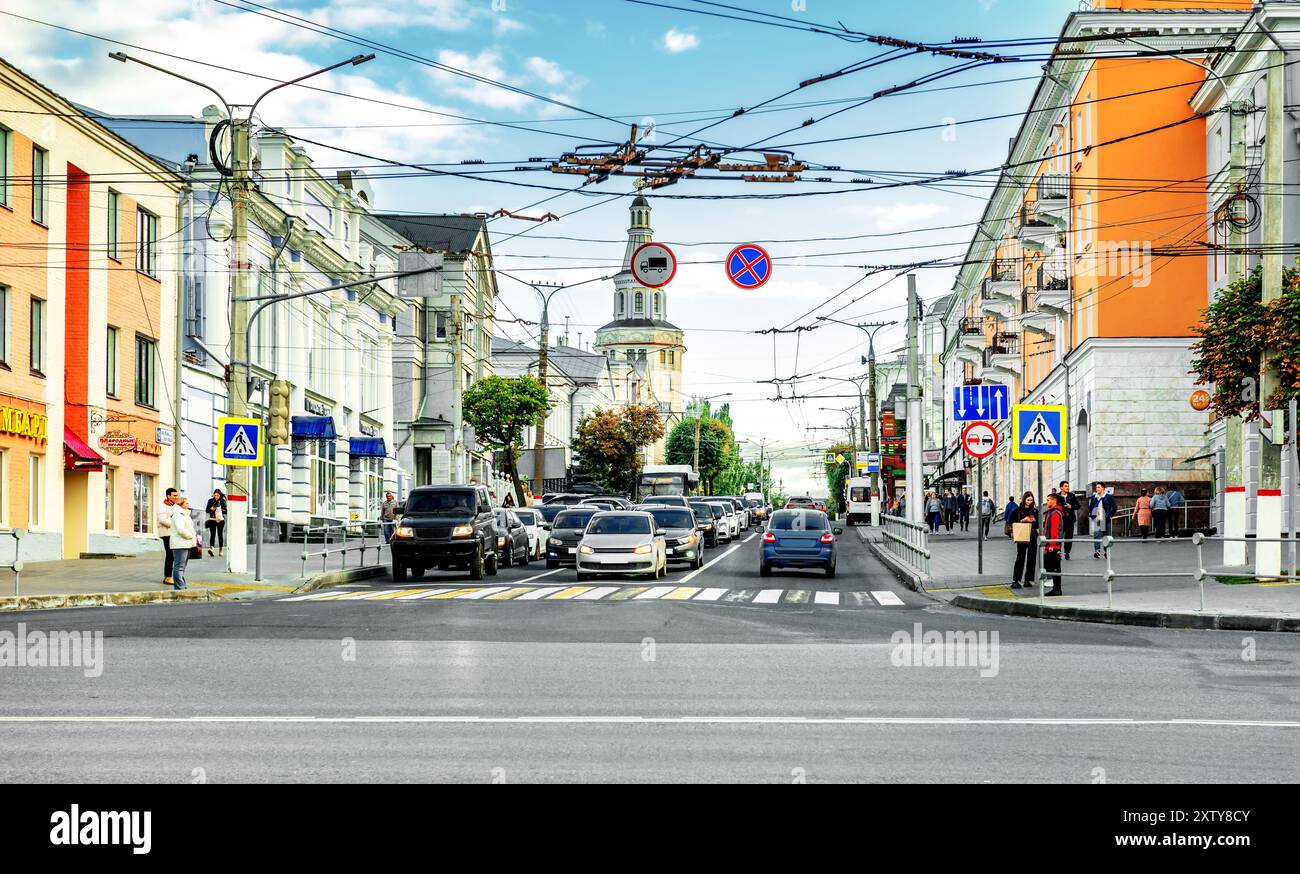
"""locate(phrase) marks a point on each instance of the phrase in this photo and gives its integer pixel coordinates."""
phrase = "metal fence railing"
(1197, 573)
(16, 563)
(350, 535)
(1191, 516)
(908, 542)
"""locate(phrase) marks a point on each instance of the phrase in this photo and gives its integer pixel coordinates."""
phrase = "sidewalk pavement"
(138, 579)
(1154, 585)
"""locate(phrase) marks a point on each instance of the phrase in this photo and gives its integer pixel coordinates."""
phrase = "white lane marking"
(668, 720)
(832, 598)
(710, 595)
(654, 593)
(887, 599)
(750, 537)
(597, 593)
(716, 559)
(768, 596)
(481, 593)
(536, 594)
(425, 594)
(312, 597)
(539, 576)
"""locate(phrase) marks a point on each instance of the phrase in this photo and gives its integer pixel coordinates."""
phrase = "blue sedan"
(798, 539)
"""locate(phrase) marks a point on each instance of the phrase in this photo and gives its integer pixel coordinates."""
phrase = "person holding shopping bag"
(1024, 531)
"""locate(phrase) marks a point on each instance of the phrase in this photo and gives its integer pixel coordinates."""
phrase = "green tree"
(837, 475)
(499, 409)
(715, 441)
(609, 443)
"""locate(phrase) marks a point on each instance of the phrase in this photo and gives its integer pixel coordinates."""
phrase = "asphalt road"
(424, 688)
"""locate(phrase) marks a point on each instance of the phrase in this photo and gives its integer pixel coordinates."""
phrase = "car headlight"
(555, 541)
(644, 549)
(404, 531)
(463, 531)
(586, 550)
(688, 539)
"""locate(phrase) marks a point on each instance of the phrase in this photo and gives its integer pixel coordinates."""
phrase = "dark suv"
(445, 527)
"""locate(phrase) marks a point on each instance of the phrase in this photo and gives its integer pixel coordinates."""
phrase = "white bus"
(666, 479)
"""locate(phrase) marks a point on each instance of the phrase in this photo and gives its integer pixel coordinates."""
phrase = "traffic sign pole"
(979, 516)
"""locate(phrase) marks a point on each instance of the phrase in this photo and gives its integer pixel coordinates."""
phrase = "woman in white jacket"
(184, 538)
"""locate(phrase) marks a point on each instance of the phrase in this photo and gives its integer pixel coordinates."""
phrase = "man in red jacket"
(1053, 530)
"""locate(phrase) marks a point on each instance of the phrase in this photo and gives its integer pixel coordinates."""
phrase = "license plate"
(569, 550)
(672, 552)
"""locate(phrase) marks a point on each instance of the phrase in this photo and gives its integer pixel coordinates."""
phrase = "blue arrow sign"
(980, 403)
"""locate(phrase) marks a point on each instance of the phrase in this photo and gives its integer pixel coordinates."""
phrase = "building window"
(663, 356)
(110, 363)
(142, 504)
(319, 356)
(110, 499)
(36, 491)
(114, 224)
(262, 342)
(146, 243)
(368, 353)
(423, 465)
(5, 296)
(657, 305)
(37, 344)
(6, 164)
(146, 369)
(620, 302)
(671, 357)
(441, 323)
(321, 463)
(373, 469)
(40, 166)
(639, 303)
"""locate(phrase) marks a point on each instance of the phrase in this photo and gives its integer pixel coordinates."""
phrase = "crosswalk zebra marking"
(768, 596)
(537, 594)
(710, 595)
(887, 599)
(829, 599)
(654, 594)
(597, 593)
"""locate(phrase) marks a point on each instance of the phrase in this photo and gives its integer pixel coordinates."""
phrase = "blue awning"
(367, 447)
(312, 428)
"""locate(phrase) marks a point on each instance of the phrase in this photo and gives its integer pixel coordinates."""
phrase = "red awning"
(77, 455)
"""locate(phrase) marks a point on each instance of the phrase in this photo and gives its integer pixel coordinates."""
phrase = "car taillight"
(769, 537)
(828, 538)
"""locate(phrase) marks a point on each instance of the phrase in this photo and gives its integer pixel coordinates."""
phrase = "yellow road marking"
(364, 593)
(682, 593)
(454, 593)
(1000, 593)
(399, 593)
(509, 593)
(246, 586)
(571, 592)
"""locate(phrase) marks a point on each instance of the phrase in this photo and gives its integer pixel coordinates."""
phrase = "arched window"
(620, 300)
(657, 305)
(640, 303)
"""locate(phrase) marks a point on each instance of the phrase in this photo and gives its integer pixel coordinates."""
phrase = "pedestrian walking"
(1026, 538)
(164, 519)
(1101, 509)
(1142, 511)
(184, 538)
(388, 516)
(1177, 508)
(1159, 511)
(1008, 513)
(949, 509)
(987, 509)
(1053, 534)
(1070, 506)
(964, 504)
(216, 521)
(934, 512)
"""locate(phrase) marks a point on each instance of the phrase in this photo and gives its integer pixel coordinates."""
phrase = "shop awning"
(77, 455)
(1206, 451)
(367, 447)
(312, 428)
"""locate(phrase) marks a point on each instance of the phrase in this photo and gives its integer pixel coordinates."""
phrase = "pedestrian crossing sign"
(239, 441)
(1039, 432)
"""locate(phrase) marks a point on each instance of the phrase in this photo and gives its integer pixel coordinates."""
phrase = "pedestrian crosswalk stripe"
(655, 593)
(887, 599)
(828, 598)
(535, 594)
(426, 593)
(314, 596)
(385, 596)
(478, 594)
(597, 593)
(681, 593)
(710, 594)
(859, 599)
(570, 592)
(739, 596)
(452, 593)
(628, 593)
(768, 596)
(796, 596)
(508, 593)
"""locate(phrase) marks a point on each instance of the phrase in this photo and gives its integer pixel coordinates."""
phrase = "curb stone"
(103, 599)
(337, 578)
(1143, 618)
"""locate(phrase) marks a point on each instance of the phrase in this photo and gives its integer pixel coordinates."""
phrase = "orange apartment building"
(88, 287)
(1077, 288)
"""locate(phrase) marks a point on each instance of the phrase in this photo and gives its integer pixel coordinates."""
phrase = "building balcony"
(972, 333)
(1053, 202)
(1032, 315)
(1001, 357)
(1035, 233)
(994, 304)
(1053, 287)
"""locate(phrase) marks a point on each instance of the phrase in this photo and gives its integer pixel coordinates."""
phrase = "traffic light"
(278, 433)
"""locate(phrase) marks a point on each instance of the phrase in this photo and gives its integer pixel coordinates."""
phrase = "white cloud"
(489, 63)
(547, 71)
(896, 216)
(677, 41)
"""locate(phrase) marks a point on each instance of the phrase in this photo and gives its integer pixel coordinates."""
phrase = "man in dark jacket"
(1053, 530)
(1070, 506)
(1101, 509)
(950, 506)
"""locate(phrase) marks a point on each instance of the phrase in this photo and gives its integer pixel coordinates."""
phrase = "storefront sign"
(316, 408)
(144, 447)
(118, 442)
(1200, 400)
(371, 430)
(24, 423)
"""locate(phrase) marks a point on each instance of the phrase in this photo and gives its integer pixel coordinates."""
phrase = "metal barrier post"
(1107, 542)
(1198, 538)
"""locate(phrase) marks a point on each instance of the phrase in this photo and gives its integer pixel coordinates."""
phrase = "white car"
(730, 518)
(624, 542)
(532, 520)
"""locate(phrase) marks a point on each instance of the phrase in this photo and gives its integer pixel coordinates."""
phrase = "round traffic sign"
(654, 265)
(979, 439)
(749, 266)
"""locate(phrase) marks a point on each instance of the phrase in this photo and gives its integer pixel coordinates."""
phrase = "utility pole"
(1234, 497)
(914, 427)
(458, 390)
(539, 445)
(1268, 515)
(870, 328)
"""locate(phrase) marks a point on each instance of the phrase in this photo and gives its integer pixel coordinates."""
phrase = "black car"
(681, 538)
(549, 512)
(566, 532)
(445, 527)
(512, 537)
(707, 527)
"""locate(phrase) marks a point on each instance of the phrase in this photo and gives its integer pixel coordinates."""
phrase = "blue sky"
(633, 63)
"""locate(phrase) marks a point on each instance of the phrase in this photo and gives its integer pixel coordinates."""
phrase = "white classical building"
(641, 334)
